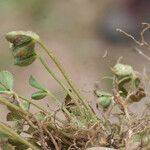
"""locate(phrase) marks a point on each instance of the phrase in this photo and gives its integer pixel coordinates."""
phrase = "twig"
(142, 33)
(122, 105)
(52, 138)
(142, 54)
(42, 139)
(131, 37)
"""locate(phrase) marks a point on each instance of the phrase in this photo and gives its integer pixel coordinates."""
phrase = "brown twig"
(52, 138)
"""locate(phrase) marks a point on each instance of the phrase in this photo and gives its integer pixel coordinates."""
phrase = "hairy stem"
(60, 82)
(62, 70)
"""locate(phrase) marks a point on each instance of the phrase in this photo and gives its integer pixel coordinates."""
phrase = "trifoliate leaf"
(39, 95)
(6, 80)
(40, 116)
(34, 83)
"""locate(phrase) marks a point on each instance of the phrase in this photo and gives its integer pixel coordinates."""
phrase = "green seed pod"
(25, 61)
(121, 70)
(104, 101)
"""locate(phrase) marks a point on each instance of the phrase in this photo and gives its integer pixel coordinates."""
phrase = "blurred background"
(81, 32)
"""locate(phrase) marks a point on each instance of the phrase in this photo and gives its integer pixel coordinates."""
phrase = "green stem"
(14, 135)
(60, 82)
(62, 70)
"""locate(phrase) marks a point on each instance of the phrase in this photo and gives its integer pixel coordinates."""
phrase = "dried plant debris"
(79, 127)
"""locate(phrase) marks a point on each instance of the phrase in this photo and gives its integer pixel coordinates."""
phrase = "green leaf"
(39, 95)
(24, 105)
(40, 116)
(12, 116)
(34, 83)
(6, 80)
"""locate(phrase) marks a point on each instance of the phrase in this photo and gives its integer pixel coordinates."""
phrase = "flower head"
(23, 46)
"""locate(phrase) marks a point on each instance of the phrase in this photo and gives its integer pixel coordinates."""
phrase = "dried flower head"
(23, 46)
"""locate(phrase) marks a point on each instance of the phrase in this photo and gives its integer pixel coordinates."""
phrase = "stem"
(15, 136)
(62, 70)
(60, 82)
